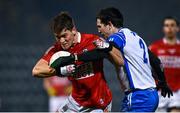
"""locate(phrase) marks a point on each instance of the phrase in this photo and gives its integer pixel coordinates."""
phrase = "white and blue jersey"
(139, 84)
(137, 67)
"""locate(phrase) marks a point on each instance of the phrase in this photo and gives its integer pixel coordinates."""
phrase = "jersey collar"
(165, 41)
(78, 37)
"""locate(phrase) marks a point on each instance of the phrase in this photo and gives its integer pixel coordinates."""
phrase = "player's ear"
(110, 24)
(74, 30)
(177, 29)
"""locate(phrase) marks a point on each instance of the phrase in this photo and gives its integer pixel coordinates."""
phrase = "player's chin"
(106, 36)
(65, 47)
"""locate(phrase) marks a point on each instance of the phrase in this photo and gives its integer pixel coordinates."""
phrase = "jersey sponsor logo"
(84, 71)
(111, 39)
(171, 51)
(101, 101)
(170, 61)
(161, 51)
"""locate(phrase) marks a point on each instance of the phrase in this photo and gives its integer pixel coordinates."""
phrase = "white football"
(57, 55)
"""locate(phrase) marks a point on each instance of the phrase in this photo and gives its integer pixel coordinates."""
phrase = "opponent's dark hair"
(171, 18)
(112, 15)
(62, 21)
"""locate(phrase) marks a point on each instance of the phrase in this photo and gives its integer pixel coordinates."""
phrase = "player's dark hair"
(62, 21)
(112, 15)
(171, 18)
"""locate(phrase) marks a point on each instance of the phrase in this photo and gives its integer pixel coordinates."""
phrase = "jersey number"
(142, 46)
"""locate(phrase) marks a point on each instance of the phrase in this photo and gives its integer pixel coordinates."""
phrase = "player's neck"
(115, 30)
(171, 40)
(76, 38)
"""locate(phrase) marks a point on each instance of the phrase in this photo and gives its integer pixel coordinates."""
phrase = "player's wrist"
(65, 71)
(162, 84)
(109, 47)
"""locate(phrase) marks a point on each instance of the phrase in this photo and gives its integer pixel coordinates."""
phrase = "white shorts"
(55, 102)
(173, 101)
(70, 105)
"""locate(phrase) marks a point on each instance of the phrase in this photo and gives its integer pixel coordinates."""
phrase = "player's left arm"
(95, 54)
(158, 68)
(103, 50)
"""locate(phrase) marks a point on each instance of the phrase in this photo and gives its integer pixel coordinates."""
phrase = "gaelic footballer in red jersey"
(168, 50)
(89, 88)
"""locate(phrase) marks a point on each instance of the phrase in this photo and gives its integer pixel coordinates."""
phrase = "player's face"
(103, 29)
(170, 28)
(65, 38)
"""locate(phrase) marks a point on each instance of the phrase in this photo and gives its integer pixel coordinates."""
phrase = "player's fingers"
(163, 93)
(97, 43)
(171, 93)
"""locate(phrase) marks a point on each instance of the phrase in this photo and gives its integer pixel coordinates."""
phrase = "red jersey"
(60, 85)
(89, 90)
(170, 58)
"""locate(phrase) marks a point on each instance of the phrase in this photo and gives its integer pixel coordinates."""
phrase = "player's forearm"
(92, 55)
(43, 73)
(41, 69)
(157, 66)
(85, 57)
(116, 56)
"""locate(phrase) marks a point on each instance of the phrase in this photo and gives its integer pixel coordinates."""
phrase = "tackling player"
(137, 81)
(90, 92)
(168, 50)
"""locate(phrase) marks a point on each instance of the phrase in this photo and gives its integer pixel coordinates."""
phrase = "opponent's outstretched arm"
(105, 51)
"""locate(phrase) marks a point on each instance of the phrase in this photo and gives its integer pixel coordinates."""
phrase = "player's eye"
(166, 25)
(172, 25)
(61, 36)
(98, 26)
(57, 37)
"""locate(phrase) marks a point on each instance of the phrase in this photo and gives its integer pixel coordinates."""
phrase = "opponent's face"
(170, 28)
(103, 29)
(65, 38)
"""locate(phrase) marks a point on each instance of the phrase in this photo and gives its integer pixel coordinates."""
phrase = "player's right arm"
(42, 69)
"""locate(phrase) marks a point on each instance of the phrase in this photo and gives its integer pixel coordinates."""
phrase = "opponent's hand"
(165, 90)
(101, 44)
(65, 71)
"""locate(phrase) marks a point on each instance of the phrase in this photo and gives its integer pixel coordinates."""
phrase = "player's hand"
(165, 90)
(65, 71)
(102, 45)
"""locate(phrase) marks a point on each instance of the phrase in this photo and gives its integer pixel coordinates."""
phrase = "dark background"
(25, 35)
